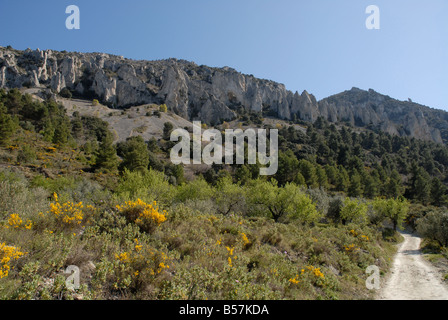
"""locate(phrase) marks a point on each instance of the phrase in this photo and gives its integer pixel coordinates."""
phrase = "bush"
(65, 93)
(197, 189)
(394, 209)
(146, 216)
(353, 211)
(26, 154)
(434, 226)
(148, 185)
(288, 201)
(163, 108)
(229, 197)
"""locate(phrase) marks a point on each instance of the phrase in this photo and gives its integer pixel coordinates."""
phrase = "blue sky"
(321, 46)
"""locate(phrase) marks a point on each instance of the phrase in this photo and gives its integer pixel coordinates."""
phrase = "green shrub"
(280, 202)
(353, 211)
(434, 226)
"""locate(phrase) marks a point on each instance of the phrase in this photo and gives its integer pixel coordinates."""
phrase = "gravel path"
(412, 277)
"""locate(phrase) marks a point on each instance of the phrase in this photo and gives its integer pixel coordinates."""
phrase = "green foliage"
(167, 128)
(308, 171)
(163, 108)
(147, 185)
(106, 158)
(353, 211)
(135, 154)
(65, 93)
(26, 154)
(268, 199)
(198, 189)
(7, 125)
(229, 197)
(434, 226)
(395, 210)
(288, 167)
(439, 195)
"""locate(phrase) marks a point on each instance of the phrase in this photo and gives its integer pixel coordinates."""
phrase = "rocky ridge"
(209, 94)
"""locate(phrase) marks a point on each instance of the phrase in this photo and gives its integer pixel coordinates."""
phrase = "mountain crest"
(211, 95)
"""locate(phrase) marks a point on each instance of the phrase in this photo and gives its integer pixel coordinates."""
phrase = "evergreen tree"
(321, 176)
(134, 153)
(107, 155)
(167, 128)
(77, 126)
(61, 132)
(7, 125)
(355, 189)
(371, 187)
(243, 174)
(344, 180)
(288, 167)
(438, 193)
(420, 187)
(308, 171)
(393, 187)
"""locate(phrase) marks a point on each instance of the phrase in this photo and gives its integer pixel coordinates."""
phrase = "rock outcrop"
(208, 94)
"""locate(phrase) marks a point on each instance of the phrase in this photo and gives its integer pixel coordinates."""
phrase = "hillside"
(88, 185)
(211, 95)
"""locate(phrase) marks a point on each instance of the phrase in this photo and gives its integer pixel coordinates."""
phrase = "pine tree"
(167, 128)
(135, 154)
(393, 187)
(344, 180)
(438, 193)
(370, 187)
(288, 167)
(7, 125)
(355, 189)
(308, 171)
(421, 187)
(321, 176)
(61, 133)
(107, 155)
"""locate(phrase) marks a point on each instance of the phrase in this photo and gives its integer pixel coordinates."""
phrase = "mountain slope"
(371, 109)
(211, 95)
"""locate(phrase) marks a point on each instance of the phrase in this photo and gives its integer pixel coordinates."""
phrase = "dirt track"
(412, 277)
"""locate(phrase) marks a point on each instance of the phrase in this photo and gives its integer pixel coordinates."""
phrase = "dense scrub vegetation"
(137, 229)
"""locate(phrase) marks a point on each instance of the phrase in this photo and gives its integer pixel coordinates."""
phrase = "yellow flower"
(29, 225)
(7, 255)
(122, 257)
(146, 213)
(295, 280)
(245, 239)
(15, 221)
(137, 247)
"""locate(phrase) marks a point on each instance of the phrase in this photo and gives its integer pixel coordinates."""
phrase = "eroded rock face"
(203, 93)
(369, 108)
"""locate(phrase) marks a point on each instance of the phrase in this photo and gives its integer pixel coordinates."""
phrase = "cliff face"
(369, 108)
(200, 92)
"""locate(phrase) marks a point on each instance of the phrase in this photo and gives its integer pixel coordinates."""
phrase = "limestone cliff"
(208, 94)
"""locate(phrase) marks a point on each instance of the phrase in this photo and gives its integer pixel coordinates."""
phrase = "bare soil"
(412, 277)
